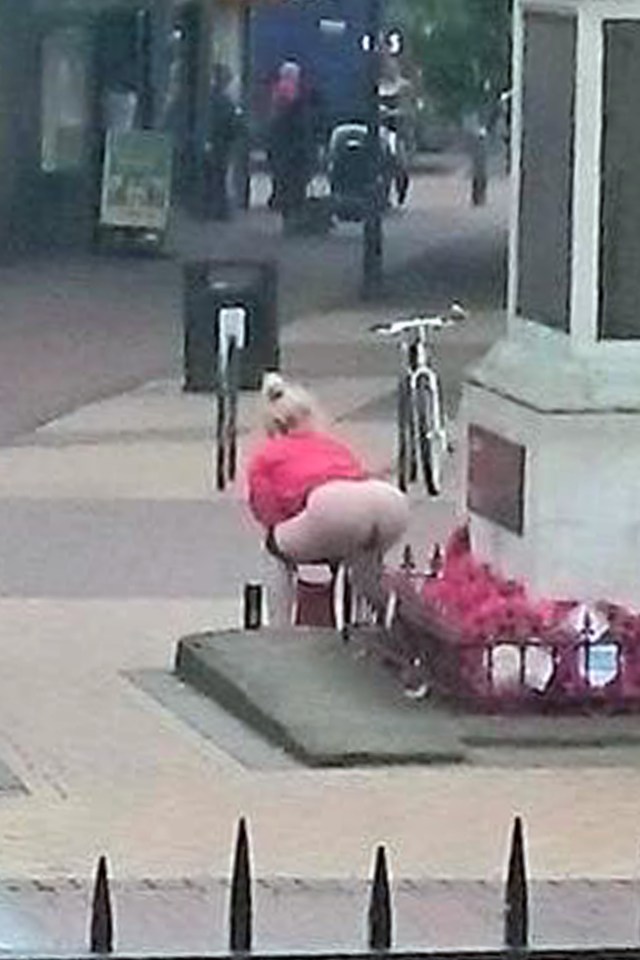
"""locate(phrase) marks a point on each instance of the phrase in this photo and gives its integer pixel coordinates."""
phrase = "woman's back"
(289, 466)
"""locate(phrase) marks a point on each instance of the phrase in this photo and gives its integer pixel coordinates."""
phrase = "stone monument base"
(552, 463)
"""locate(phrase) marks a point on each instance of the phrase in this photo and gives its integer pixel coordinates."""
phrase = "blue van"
(325, 38)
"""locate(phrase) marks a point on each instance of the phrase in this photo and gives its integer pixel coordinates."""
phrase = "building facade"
(71, 68)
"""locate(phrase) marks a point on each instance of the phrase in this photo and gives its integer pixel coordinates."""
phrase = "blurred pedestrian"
(393, 93)
(222, 130)
(291, 142)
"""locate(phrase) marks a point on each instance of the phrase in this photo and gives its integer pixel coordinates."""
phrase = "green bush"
(462, 50)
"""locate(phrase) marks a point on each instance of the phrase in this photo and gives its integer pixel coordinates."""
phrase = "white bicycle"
(420, 417)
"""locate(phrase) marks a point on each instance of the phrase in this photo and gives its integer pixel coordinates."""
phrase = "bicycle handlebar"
(455, 315)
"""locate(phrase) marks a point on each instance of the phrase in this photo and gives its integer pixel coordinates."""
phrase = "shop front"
(72, 71)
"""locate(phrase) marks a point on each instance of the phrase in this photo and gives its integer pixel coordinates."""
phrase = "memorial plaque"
(495, 483)
(620, 212)
(545, 227)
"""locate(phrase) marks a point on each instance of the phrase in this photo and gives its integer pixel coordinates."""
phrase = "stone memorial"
(551, 415)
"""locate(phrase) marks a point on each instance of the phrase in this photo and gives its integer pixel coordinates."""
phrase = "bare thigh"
(342, 518)
(391, 510)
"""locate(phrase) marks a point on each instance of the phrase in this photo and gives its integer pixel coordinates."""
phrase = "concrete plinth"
(578, 420)
(552, 414)
(326, 705)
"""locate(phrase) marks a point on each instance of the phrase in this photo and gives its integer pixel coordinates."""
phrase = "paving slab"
(211, 721)
(9, 782)
(182, 548)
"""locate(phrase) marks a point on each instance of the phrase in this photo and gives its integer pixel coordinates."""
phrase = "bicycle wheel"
(430, 437)
(406, 435)
(232, 413)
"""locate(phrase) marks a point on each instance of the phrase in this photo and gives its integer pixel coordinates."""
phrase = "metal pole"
(372, 237)
(242, 166)
(156, 23)
(479, 173)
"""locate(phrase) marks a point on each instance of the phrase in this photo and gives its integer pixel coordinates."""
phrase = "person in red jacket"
(315, 499)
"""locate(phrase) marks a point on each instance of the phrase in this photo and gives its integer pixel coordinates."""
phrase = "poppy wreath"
(512, 647)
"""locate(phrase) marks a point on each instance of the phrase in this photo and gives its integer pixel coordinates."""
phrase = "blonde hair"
(286, 406)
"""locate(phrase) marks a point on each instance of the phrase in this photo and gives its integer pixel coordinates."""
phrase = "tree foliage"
(462, 48)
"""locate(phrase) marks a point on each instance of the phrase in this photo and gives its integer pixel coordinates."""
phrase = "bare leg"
(342, 518)
(351, 521)
(279, 581)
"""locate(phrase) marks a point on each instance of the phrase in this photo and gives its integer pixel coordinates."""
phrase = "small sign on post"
(231, 335)
(232, 324)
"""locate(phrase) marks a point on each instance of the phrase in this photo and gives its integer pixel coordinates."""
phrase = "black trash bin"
(209, 286)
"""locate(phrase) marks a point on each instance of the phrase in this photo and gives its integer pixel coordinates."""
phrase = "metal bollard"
(436, 562)
(479, 168)
(252, 606)
(408, 564)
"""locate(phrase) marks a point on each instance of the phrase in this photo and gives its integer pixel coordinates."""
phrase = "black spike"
(380, 911)
(240, 912)
(516, 921)
(101, 912)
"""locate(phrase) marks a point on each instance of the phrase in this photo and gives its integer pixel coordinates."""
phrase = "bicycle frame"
(420, 409)
(423, 367)
(421, 426)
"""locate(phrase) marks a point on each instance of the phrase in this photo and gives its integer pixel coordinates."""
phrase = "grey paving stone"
(125, 548)
(9, 782)
(211, 720)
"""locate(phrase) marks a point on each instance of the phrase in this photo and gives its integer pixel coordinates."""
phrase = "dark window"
(547, 169)
(620, 212)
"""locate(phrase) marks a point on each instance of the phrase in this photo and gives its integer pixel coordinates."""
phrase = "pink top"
(285, 91)
(286, 468)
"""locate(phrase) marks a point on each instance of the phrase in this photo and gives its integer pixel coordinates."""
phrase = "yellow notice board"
(136, 180)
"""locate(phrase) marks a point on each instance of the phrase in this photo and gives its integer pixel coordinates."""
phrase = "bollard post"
(220, 452)
(101, 932)
(479, 168)
(345, 601)
(408, 564)
(380, 911)
(241, 910)
(252, 606)
(436, 562)
(516, 921)
(372, 236)
(348, 602)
